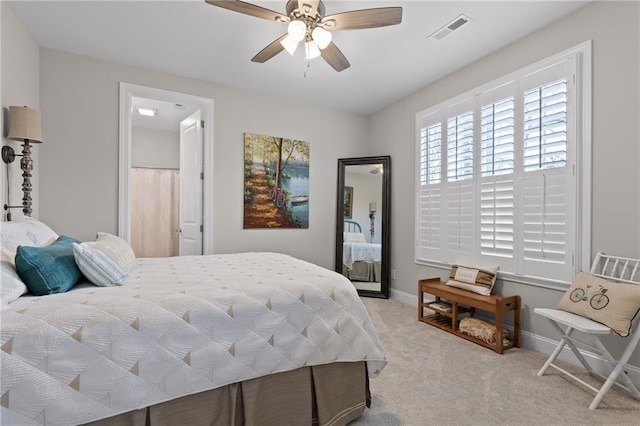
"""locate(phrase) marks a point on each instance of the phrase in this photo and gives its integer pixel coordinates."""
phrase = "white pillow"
(24, 231)
(116, 249)
(354, 237)
(11, 287)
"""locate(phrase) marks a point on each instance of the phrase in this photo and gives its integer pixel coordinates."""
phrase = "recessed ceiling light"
(146, 111)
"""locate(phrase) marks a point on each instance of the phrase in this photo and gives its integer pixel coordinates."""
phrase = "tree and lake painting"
(276, 182)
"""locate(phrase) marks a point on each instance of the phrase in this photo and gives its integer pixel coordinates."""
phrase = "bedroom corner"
(20, 85)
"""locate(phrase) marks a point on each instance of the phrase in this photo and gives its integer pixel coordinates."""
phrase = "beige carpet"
(436, 378)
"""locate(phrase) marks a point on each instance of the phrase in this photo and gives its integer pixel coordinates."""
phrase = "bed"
(245, 338)
(361, 260)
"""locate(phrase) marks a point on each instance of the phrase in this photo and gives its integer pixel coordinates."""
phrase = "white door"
(191, 169)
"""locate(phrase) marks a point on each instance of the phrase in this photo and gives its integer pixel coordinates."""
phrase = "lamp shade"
(290, 44)
(372, 206)
(321, 36)
(311, 50)
(25, 124)
(297, 30)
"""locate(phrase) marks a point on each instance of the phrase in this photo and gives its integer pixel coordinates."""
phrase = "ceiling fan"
(307, 22)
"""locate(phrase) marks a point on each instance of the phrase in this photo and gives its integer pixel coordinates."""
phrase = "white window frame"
(579, 163)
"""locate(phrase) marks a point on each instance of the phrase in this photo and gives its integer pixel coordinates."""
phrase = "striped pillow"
(477, 279)
(96, 266)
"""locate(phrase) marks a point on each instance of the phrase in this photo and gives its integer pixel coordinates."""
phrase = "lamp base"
(8, 154)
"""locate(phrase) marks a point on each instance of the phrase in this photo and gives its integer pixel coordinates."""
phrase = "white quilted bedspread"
(356, 252)
(177, 326)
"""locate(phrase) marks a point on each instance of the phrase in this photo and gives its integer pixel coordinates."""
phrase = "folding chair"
(614, 268)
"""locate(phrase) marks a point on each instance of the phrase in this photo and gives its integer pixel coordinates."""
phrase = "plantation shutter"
(496, 218)
(545, 222)
(497, 185)
(430, 203)
(460, 185)
(460, 218)
(496, 175)
(548, 186)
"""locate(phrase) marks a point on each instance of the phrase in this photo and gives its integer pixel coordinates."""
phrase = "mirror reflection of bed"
(360, 258)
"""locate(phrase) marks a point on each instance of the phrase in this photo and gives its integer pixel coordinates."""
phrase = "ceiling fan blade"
(270, 51)
(249, 9)
(362, 19)
(335, 57)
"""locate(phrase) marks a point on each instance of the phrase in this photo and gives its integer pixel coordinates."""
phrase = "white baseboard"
(545, 345)
(406, 298)
(598, 363)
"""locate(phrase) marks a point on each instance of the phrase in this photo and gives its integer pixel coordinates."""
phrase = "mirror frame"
(385, 160)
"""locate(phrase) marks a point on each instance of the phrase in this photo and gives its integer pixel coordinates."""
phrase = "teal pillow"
(49, 269)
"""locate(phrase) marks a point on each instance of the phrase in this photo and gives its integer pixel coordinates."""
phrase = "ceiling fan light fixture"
(311, 50)
(289, 44)
(303, 17)
(297, 30)
(321, 36)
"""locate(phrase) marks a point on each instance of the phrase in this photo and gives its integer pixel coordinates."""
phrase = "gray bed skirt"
(332, 394)
(363, 271)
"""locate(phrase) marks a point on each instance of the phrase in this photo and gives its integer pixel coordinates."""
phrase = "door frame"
(127, 92)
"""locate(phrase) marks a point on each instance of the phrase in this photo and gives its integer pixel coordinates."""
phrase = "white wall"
(20, 77)
(613, 27)
(79, 165)
(153, 148)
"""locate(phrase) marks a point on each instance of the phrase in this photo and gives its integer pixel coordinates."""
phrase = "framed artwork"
(276, 182)
(348, 202)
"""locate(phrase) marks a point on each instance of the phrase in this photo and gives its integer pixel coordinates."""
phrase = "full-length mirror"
(363, 221)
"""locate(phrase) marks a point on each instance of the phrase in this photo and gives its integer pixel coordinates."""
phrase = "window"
(430, 156)
(460, 147)
(496, 178)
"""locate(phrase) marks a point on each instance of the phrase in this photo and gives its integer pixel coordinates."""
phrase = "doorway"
(152, 204)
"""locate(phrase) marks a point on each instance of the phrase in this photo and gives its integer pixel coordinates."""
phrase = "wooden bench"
(466, 302)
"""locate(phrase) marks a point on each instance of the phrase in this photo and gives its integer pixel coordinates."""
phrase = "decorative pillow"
(476, 279)
(96, 266)
(116, 249)
(11, 288)
(23, 231)
(354, 237)
(50, 269)
(609, 303)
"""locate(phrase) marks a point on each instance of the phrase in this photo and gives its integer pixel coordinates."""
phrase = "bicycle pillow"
(609, 303)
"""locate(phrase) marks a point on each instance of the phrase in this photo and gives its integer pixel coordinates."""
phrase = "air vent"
(447, 29)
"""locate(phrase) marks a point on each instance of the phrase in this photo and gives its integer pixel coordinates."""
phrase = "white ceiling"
(168, 117)
(193, 39)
